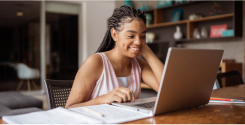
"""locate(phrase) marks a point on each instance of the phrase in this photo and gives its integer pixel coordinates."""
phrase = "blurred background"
(47, 38)
(51, 39)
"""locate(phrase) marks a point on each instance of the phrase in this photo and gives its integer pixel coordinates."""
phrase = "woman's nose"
(138, 42)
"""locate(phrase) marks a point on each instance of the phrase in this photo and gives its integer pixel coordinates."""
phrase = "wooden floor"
(11, 85)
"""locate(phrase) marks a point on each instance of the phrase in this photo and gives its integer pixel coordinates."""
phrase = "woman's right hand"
(119, 94)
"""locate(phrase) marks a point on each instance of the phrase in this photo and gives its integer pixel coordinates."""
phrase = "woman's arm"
(85, 81)
(152, 68)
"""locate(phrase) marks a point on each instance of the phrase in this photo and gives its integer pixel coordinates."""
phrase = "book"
(220, 101)
(228, 33)
(216, 30)
(111, 114)
(225, 99)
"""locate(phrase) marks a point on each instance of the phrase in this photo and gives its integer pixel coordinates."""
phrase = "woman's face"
(132, 38)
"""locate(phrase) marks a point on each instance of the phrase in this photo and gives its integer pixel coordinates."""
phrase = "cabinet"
(231, 14)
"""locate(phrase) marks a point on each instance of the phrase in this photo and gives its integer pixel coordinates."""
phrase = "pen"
(97, 113)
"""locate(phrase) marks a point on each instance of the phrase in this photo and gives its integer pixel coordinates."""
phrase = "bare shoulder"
(85, 80)
(94, 60)
(92, 65)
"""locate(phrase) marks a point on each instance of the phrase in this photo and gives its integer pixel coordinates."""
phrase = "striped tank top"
(108, 79)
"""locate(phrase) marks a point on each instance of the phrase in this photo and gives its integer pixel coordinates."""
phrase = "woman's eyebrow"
(131, 31)
(135, 31)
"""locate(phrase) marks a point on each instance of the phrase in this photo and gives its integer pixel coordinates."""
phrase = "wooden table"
(230, 113)
(210, 113)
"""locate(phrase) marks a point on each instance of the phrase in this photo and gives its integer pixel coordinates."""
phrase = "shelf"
(232, 17)
(191, 21)
(172, 6)
(228, 38)
(167, 24)
(208, 39)
(213, 17)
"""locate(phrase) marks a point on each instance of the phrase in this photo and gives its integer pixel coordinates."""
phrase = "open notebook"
(112, 114)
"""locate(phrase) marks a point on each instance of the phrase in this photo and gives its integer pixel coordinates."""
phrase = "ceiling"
(8, 10)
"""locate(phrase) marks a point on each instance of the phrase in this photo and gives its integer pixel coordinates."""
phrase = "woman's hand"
(146, 51)
(120, 94)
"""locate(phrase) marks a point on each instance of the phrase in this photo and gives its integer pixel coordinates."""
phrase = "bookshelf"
(164, 29)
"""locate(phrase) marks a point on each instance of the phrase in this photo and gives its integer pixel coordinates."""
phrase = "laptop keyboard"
(147, 105)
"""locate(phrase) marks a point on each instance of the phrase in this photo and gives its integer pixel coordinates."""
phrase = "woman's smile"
(135, 49)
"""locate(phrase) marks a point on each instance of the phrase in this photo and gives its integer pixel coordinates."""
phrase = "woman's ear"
(114, 34)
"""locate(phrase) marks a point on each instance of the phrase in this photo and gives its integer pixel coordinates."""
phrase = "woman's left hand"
(145, 50)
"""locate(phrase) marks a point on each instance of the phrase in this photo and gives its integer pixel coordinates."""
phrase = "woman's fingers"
(119, 95)
(122, 95)
(132, 95)
(118, 99)
(128, 93)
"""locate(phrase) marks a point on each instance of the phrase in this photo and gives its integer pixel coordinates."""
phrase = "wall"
(97, 15)
(233, 49)
(58, 7)
(137, 4)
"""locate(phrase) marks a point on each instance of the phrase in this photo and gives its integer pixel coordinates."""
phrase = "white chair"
(26, 73)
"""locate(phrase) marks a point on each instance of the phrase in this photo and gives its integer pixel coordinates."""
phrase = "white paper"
(112, 114)
(79, 115)
(53, 116)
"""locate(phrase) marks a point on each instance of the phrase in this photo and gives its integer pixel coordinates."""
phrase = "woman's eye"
(131, 36)
(143, 37)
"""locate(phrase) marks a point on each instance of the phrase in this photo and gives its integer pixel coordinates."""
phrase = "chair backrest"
(229, 78)
(57, 92)
(25, 72)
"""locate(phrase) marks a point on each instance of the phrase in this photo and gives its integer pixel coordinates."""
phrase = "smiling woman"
(131, 39)
(115, 72)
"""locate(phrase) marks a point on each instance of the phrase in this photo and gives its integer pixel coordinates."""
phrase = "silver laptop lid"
(188, 78)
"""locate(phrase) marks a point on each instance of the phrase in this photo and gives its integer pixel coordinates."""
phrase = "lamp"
(20, 13)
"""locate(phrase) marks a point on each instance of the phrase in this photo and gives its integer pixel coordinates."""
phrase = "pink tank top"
(108, 79)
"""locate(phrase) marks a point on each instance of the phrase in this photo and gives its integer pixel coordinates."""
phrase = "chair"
(26, 73)
(229, 78)
(57, 92)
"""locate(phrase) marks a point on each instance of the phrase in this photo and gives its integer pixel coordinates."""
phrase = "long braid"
(120, 16)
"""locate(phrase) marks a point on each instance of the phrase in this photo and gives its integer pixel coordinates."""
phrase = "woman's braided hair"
(120, 16)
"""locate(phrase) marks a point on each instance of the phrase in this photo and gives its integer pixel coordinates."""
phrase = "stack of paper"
(111, 114)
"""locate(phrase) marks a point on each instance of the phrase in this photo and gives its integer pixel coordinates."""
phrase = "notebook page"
(112, 114)
(53, 116)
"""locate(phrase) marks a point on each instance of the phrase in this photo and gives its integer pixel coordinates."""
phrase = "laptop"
(187, 81)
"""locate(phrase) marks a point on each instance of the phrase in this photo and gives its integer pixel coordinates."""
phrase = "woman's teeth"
(135, 49)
